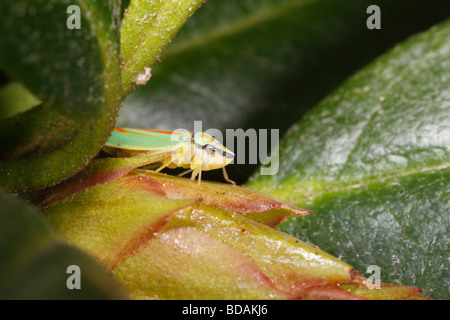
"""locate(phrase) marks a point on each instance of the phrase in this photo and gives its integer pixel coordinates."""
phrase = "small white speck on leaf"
(143, 78)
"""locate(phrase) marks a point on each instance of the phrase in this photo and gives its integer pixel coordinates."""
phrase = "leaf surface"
(372, 162)
(35, 261)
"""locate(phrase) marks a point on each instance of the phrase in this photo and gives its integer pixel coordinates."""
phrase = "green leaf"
(34, 261)
(75, 72)
(147, 28)
(67, 66)
(162, 243)
(263, 207)
(15, 98)
(245, 64)
(372, 162)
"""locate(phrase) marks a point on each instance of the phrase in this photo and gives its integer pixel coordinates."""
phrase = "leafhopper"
(195, 151)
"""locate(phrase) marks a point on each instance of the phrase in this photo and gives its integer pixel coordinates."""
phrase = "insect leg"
(199, 176)
(165, 164)
(198, 172)
(185, 172)
(225, 176)
(194, 174)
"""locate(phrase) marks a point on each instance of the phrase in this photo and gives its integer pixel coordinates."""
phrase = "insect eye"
(210, 148)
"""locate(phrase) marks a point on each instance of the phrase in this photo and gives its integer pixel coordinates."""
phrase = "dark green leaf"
(242, 64)
(66, 66)
(372, 162)
(74, 71)
(34, 262)
(263, 64)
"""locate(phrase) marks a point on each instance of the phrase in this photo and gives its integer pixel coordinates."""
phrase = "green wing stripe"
(144, 139)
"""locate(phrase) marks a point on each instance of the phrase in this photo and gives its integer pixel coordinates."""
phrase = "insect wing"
(144, 139)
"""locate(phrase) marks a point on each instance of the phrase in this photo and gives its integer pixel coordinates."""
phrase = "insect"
(195, 151)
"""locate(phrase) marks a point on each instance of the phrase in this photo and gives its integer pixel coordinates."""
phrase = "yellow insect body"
(194, 151)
